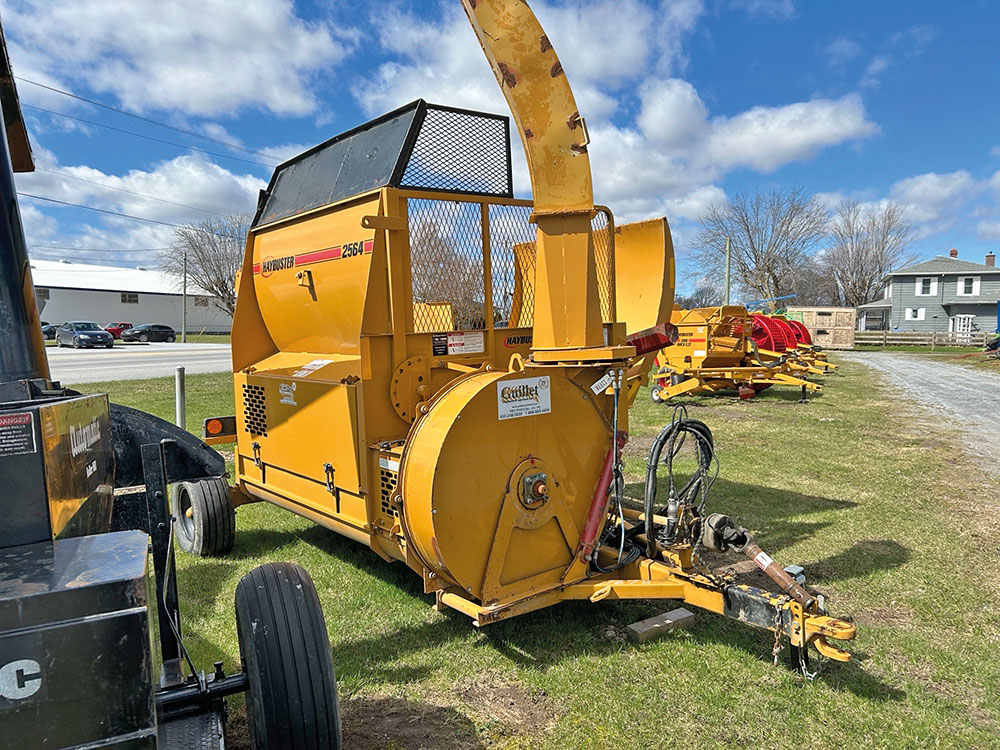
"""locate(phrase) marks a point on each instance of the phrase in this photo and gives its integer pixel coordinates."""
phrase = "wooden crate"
(832, 327)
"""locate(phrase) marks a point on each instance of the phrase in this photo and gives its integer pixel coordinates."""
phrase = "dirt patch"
(896, 615)
(508, 704)
(399, 724)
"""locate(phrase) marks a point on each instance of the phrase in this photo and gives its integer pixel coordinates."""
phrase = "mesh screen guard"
(450, 277)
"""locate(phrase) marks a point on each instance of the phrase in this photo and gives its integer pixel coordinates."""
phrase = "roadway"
(135, 361)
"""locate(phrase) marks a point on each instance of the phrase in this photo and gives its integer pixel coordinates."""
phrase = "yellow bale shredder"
(441, 372)
(714, 351)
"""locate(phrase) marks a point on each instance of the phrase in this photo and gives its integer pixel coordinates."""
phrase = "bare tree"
(772, 236)
(867, 243)
(705, 294)
(214, 249)
(813, 285)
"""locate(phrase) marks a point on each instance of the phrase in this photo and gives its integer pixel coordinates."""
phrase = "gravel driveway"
(966, 398)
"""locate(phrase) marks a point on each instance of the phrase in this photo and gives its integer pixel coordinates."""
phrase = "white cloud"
(995, 151)
(170, 191)
(841, 50)
(909, 43)
(779, 9)
(877, 66)
(933, 198)
(989, 230)
(672, 114)
(190, 56)
(765, 138)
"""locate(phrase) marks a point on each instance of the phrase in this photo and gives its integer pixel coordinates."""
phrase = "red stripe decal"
(369, 245)
(256, 267)
(328, 253)
(697, 341)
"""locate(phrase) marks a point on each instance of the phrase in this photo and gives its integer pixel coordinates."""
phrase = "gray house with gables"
(941, 294)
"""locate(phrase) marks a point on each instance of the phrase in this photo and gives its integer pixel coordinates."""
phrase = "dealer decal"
(523, 397)
(348, 250)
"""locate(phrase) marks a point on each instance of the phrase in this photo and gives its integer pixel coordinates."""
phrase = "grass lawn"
(207, 338)
(889, 520)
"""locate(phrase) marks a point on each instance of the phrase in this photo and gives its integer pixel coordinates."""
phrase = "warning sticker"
(763, 560)
(17, 434)
(523, 397)
(310, 367)
(389, 464)
(458, 342)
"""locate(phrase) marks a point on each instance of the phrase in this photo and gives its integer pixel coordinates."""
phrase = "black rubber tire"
(76, 343)
(211, 527)
(109, 346)
(143, 338)
(654, 394)
(292, 697)
(169, 339)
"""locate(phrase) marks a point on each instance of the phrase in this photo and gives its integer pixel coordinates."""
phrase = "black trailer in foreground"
(91, 648)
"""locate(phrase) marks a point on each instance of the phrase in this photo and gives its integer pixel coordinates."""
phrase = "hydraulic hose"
(673, 435)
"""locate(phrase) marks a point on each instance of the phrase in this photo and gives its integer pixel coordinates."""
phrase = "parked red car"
(115, 329)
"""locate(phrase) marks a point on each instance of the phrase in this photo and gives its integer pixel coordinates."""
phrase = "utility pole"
(184, 302)
(728, 263)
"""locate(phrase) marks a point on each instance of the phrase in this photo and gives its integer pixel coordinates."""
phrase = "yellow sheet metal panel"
(301, 426)
(644, 274)
(311, 279)
(463, 475)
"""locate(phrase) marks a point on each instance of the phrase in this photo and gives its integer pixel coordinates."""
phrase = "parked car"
(78, 333)
(115, 329)
(49, 331)
(149, 332)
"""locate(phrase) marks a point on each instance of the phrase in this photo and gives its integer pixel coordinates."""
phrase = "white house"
(77, 291)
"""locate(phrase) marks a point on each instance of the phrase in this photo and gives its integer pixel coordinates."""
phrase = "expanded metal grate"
(388, 480)
(513, 252)
(512, 264)
(446, 265)
(254, 410)
(602, 229)
(463, 151)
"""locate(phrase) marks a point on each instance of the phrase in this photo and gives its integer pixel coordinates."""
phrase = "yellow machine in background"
(715, 351)
(442, 372)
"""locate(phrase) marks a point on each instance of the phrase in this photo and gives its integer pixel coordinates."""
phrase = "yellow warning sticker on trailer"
(523, 397)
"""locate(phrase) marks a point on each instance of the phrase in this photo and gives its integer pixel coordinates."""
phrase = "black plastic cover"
(352, 163)
(74, 644)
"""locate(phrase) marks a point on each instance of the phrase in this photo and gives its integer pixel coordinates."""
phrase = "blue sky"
(688, 102)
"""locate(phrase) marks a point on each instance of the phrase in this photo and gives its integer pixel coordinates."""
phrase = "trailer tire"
(206, 519)
(292, 695)
(655, 394)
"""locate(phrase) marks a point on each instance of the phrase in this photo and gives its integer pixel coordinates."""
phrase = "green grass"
(889, 519)
(207, 338)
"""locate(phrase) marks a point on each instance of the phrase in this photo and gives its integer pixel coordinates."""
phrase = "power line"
(147, 137)
(127, 216)
(193, 133)
(101, 249)
(85, 259)
(123, 190)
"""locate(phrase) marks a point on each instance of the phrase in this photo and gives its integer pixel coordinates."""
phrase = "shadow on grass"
(764, 510)
(573, 630)
(863, 558)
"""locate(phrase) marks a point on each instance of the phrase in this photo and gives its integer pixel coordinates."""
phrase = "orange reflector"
(213, 427)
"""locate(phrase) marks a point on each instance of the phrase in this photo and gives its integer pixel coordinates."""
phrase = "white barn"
(77, 291)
